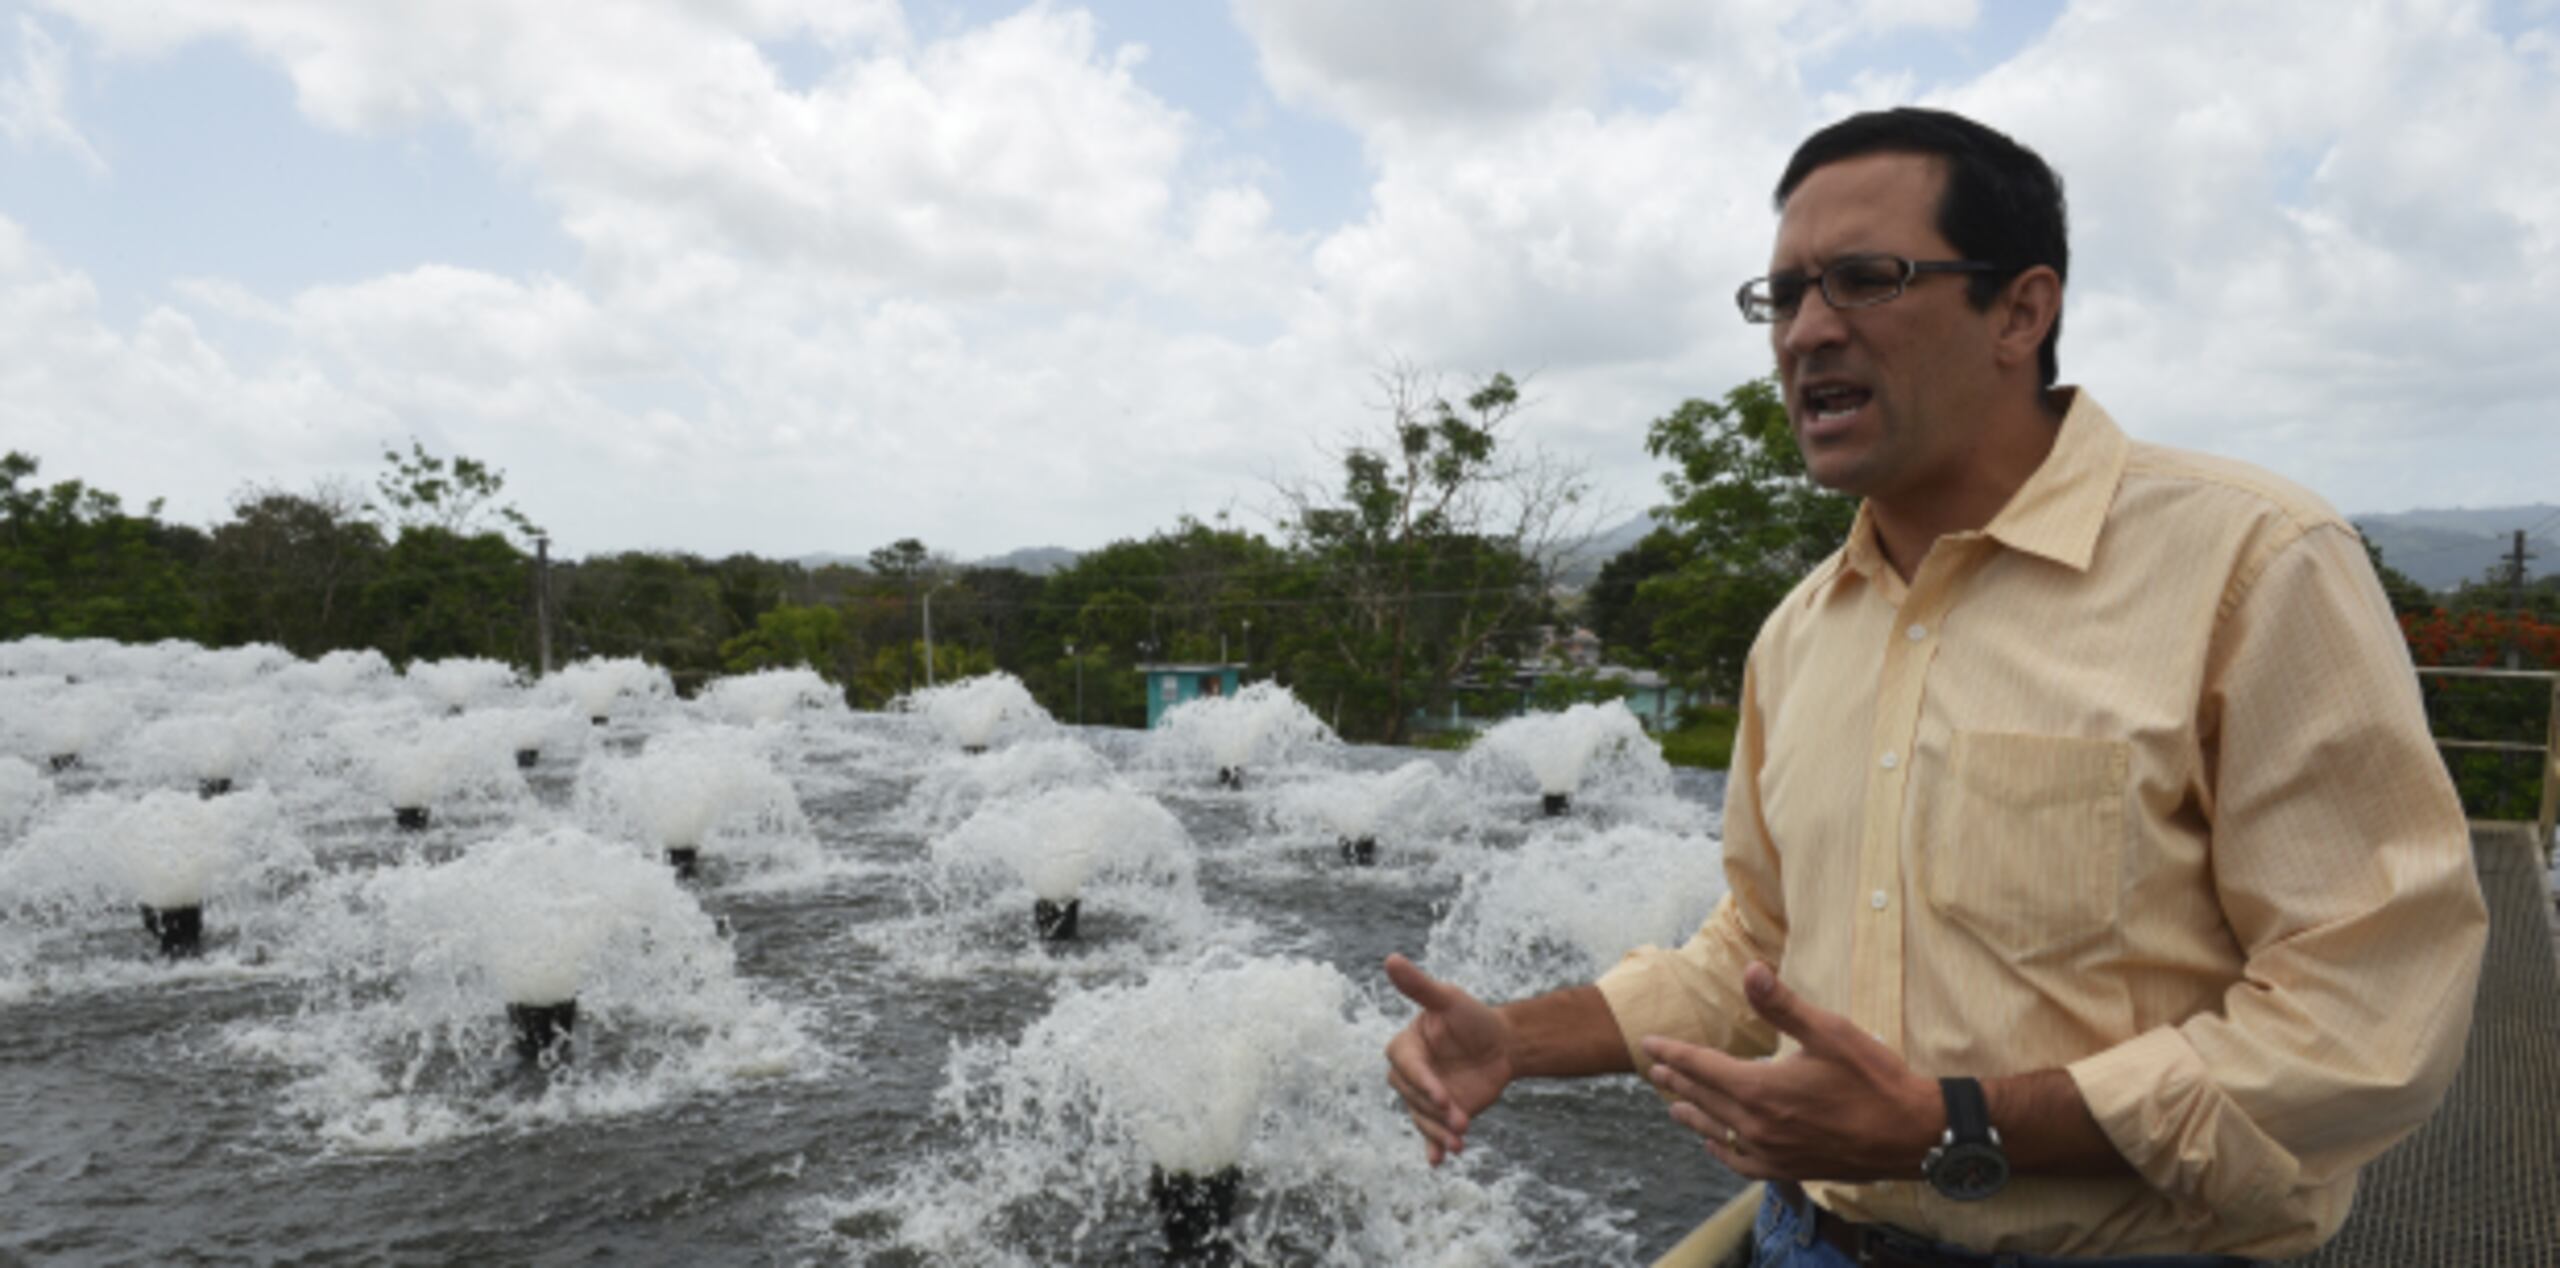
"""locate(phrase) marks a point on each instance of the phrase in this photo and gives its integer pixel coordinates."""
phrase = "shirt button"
(1889, 761)
(1916, 633)
(1878, 900)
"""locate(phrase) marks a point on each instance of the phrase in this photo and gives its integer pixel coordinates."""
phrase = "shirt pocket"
(2026, 854)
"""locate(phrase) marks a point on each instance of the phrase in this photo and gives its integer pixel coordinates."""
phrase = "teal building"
(1172, 684)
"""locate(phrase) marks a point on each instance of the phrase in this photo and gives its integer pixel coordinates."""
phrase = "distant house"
(1172, 684)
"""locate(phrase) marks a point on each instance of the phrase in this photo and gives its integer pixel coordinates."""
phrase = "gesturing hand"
(1842, 1107)
(1448, 1063)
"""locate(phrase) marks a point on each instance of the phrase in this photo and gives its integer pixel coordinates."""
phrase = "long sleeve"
(2343, 866)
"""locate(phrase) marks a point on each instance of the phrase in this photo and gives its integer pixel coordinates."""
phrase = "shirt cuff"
(2184, 1135)
(1644, 1000)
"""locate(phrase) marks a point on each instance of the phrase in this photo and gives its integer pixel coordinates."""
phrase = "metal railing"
(2549, 748)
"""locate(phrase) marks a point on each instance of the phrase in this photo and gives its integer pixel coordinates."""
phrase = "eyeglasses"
(1852, 281)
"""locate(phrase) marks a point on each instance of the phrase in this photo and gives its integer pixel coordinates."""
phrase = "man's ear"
(2027, 309)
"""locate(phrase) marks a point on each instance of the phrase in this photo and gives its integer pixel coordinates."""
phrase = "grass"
(1707, 741)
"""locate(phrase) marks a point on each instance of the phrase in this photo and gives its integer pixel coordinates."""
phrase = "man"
(2084, 791)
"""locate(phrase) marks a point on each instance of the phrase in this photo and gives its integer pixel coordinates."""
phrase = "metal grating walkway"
(2479, 1185)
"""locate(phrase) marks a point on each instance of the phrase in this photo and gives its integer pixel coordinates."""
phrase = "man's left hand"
(1842, 1107)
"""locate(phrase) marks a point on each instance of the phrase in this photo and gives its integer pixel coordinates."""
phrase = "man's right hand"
(1448, 1063)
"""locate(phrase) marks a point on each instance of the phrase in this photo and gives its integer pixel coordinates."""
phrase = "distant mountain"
(1039, 561)
(1583, 567)
(2442, 549)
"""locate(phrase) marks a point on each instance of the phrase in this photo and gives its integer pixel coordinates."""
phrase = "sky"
(804, 276)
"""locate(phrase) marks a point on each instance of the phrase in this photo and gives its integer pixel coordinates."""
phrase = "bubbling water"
(1413, 802)
(1570, 903)
(463, 682)
(95, 858)
(953, 790)
(437, 763)
(1600, 743)
(774, 695)
(974, 713)
(703, 790)
(23, 795)
(338, 673)
(1264, 1065)
(601, 687)
(1054, 842)
(1261, 726)
(220, 744)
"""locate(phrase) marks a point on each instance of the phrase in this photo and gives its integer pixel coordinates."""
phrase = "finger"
(1741, 1161)
(1718, 1105)
(1727, 1074)
(1409, 1073)
(1441, 1140)
(1422, 988)
(1420, 1099)
(1784, 1009)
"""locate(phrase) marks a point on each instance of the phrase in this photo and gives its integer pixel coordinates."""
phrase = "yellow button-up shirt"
(2132, 782)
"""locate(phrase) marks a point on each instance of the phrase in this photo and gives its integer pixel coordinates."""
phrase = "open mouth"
(1831, 402)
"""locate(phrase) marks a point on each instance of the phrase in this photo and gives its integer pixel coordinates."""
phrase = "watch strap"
(1968, 1111)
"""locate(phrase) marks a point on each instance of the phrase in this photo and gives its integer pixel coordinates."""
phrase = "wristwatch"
(1967, 1165)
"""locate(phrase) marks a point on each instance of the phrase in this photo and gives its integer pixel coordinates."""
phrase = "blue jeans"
(1774, 1238)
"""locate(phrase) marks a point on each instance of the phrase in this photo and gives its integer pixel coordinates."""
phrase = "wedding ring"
(1733, 1139)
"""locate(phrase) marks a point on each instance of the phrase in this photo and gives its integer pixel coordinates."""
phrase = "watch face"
(1969, 1172)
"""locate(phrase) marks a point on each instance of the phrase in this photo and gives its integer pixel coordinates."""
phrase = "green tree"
(1616, 606)
(790, 636)
(73, 564)
(1749, 521)
(1433, 551)
(422, 490)
(291, 568)
(439, 594)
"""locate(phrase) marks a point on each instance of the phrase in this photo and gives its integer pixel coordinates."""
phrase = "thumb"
(1433, 994)
(1779, 1003)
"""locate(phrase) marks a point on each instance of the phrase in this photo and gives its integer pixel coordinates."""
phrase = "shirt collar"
(2055, 515)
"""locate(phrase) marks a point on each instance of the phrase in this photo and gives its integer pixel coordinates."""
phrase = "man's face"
(1882, 399)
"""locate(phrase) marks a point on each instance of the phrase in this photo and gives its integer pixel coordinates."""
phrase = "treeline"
(1416, 573)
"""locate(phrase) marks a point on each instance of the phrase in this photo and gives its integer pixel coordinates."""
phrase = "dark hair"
(2001, 204)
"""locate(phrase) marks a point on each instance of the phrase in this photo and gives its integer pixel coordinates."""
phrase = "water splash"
(602, 688)
(437, 763)
(773, 695)
(975, 713)
(338, 673)
(86, 866)
(1262, 727)
(223, 743)
(1266, 1065)
(1412, 803)
(1054, 842)
(1601, 746)
(712, 791)
(951, 791)
(463, 682)
(24, 794)
(1570, 903)
(531, 916)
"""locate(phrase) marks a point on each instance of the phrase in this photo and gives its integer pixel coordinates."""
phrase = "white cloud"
(32, 112)
(991, 289)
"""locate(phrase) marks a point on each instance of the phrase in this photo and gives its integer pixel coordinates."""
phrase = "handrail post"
(2550, 774)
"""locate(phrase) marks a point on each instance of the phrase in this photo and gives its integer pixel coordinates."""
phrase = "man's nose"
(1816, 325)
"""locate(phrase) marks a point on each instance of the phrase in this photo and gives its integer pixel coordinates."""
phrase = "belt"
(1884, 1246)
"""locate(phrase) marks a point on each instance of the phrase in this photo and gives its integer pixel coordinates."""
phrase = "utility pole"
(542, 600)
(2515, 577)
(1079, 660)
(928, 636)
